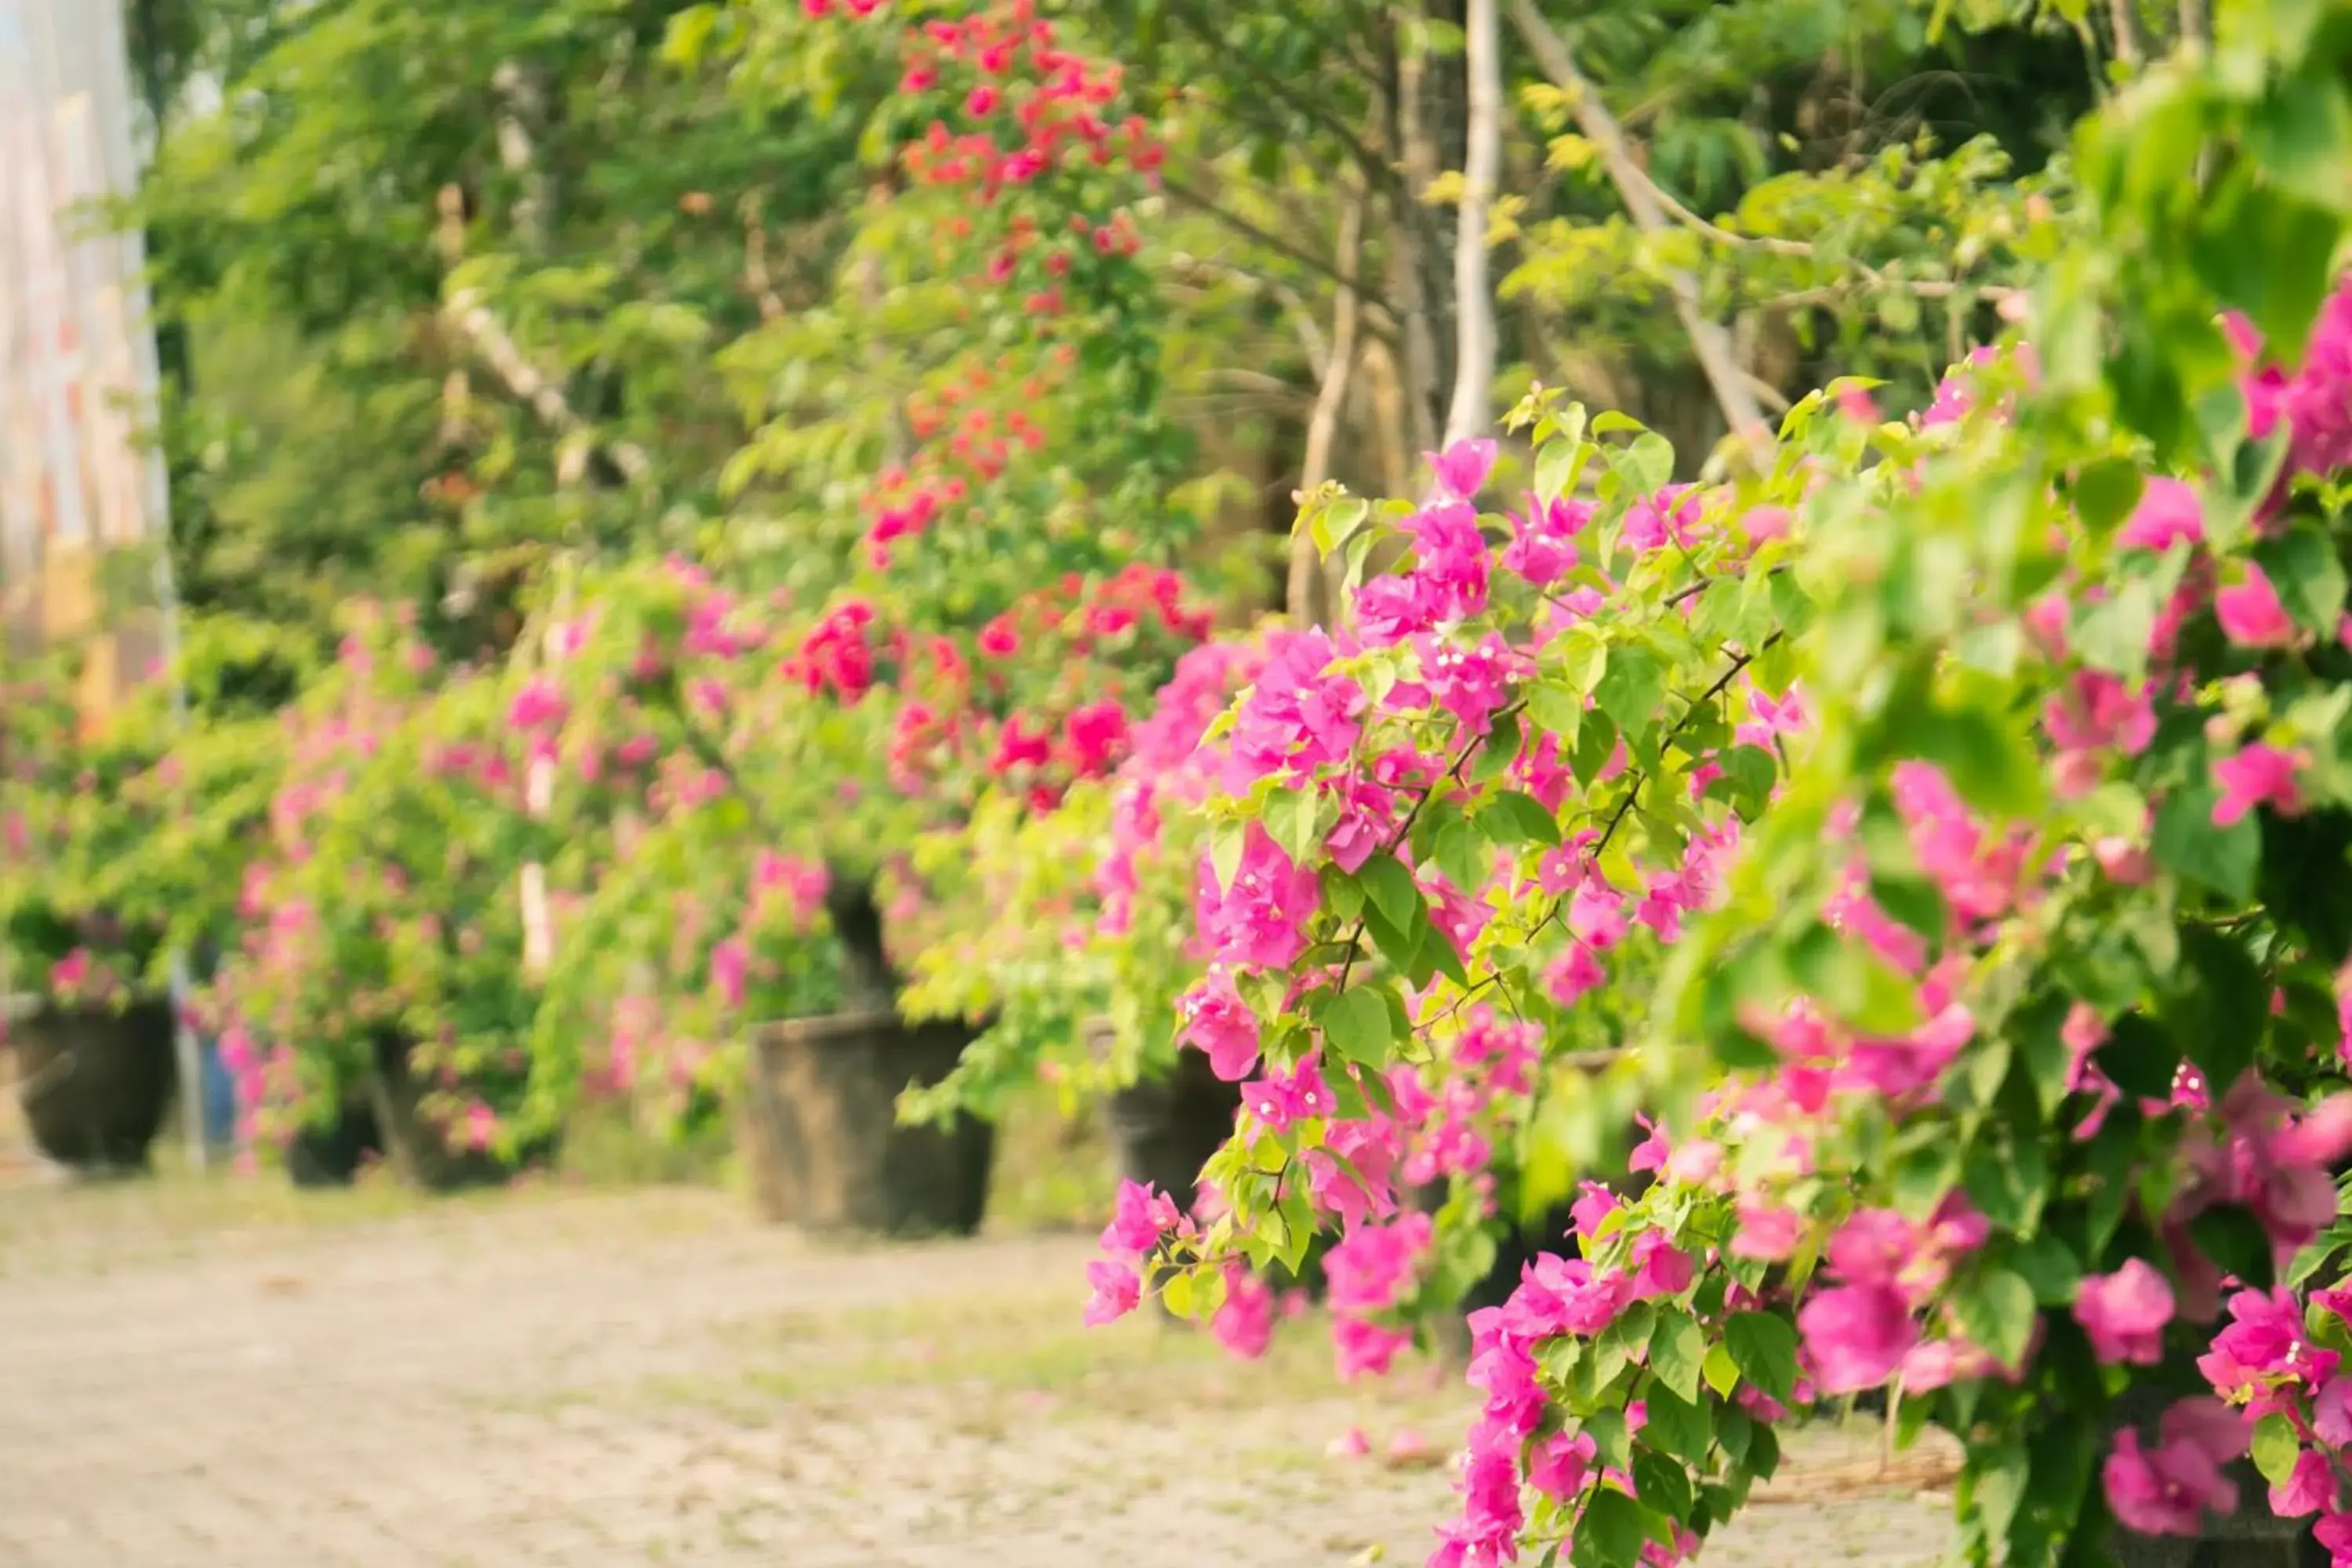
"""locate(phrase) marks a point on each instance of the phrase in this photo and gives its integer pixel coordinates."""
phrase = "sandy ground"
(222, 1374)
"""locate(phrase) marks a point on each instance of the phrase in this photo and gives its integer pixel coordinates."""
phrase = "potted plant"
(764, 891)
(92, 1036)
(379, 982)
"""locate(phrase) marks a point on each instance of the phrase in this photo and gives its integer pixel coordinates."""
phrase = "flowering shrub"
(1961, 807)
(116, 845)
(764, 770)
(382, 926)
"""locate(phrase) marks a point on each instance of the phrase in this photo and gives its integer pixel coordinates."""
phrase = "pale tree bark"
(1312, 589)
(1709, 341)
(1472, 409)
(2126, 23)
(1424, 377)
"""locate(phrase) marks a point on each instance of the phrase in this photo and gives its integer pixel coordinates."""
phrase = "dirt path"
(234, 1379)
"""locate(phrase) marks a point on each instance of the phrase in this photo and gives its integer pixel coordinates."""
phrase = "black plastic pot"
(332, 1155)
(420, 1152)
(94, 1083)
(1164, 1130)
(821, 1138)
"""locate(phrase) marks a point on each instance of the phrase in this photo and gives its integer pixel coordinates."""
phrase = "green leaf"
(1497, 752)
(2112, 635)
(2048, 1265)
(2269, 253)
(1293, 820)
(1584, 659)
(1721, 1372)
(1555, 468)
(1989, 760)
(1995, 1309)
(1526, 815)
(2187, 843)
(1610, 1445)
(1664, 1485)
(1356, 1025)
(1765, 1346)
(2038, 1029)
(2302, 134)
(1610, 422)
(1342, 894)
(1752, 772)
(1595, 744)
(1631, 687)
(1332, 526)
(2105, 491)
(1462, 852)
(1611, 1528)
(2303, 566)
(1652, 461)
(1678, 1353)
(1995, 1482)
(1391, 889)
(2218, 1005)
(2277, 1448)
(1676, 1425)
(1401, 945)
(1226, 853)
(1555, 708)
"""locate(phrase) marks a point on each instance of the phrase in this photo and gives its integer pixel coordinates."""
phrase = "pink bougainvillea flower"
(2331, 1411)
(1462, 468)
(1572, 975)
(1856, 1335)
(1260, 921)
(1244, 1323)
(1364, 1349)
(2167, 1491)
(1767, 1233)
(2125, 1313)
(1299, 717)
(1660, 1269)
(1389, 610)
(1566, 1296)
(731, 967)
(2168, 513)
(1364, 1187)
(1543, 543)
(1874, 1247)
(1596, 915)
(1141, 1216)
(1280, 1100)
(2257, 775)
(1370, 1268)
(2335, 1533)
(1449, 561)
(1594, 1202)
(1116, 1290)
(1670, 515)
(1215, 1019)
(2308, 1488)
(2250, 613)
(1559, 1464)
(1095, 734)
(2265, 1345)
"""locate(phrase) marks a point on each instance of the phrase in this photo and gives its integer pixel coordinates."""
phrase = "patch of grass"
(604, 1146)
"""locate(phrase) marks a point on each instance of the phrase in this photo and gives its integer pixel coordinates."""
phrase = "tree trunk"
(1313, 588)
(1471, 411)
